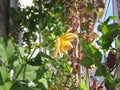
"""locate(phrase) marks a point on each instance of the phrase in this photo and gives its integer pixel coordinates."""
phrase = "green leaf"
(29, 73)
(98, 73)
(3, 55)
(21, 51)
(4, 73)
(109, 33)
(86, 62)
(92, 55)
(82, 85)
(110, 82)
(110, 18)
(40, 72)
(101, 70)
(44, 82)
(1, 87)
(67, 67)
(47, 74)
(7, 49)
(10, 49)
(7, 86)
(118, 41)
(19, 86)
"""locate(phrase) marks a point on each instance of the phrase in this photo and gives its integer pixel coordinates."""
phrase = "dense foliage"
(68, 24)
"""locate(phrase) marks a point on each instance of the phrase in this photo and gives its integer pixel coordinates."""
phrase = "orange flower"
(63, 44)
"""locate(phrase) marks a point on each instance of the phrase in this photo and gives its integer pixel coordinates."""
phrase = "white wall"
(115, 10)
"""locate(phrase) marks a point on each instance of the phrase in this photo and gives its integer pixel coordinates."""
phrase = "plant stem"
(24, 71)
(23, 65)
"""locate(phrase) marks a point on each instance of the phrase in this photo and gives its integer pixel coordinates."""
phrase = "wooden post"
(4, 18)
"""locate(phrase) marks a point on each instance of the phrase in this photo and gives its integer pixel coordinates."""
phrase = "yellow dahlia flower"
(63, 44)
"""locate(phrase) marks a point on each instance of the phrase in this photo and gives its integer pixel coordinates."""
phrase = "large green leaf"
(86, 62)
(28, 73)
(42, 78)
(7, 49)
(21, 51)
(40, 72)
(4, 73)
(106, 22)
(6, 86)
(92, 55)
(3, 55)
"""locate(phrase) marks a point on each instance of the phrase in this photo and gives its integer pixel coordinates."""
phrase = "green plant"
(27, 68)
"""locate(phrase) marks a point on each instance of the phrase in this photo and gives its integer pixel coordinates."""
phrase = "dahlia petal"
(63, 44)
(69, 36)
(68, 45)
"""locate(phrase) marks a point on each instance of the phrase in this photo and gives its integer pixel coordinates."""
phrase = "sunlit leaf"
(4, 73)
(109, 31)
(67, 67)
(7, 49)
(82, 85)
(44, 82)
(118, 41)
(110, 18)
(7, 85)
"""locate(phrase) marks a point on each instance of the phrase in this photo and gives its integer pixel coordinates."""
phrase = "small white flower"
(48, 65)
(31, 84)
(11, 74)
